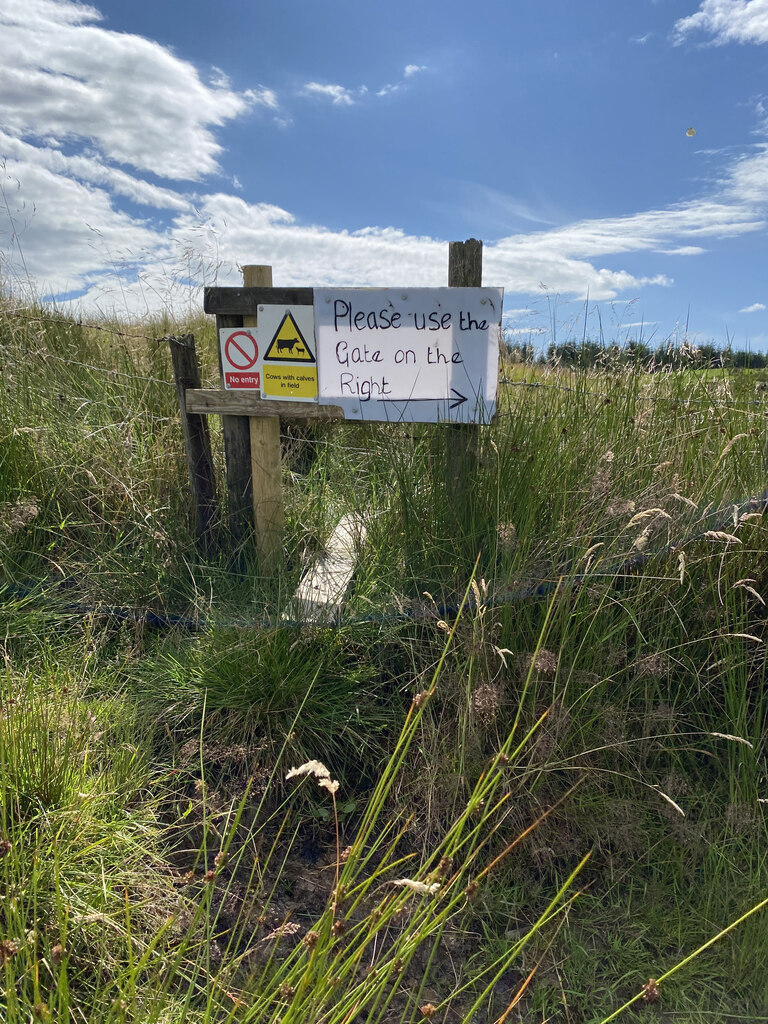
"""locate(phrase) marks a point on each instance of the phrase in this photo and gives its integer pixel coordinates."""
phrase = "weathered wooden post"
(197, 440)
(237, 451)
(265, 459)
(465, 270)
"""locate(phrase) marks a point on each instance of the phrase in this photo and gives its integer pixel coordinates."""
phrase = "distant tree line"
(668, 356)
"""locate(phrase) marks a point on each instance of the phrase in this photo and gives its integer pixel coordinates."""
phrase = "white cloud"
(408, 72)
(134, 100)
(337, 94)
(756, 307)
(727, 21)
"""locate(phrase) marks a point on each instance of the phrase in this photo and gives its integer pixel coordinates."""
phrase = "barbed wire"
(35, 317)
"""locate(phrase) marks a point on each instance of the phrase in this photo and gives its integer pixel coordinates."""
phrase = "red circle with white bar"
(238, 352)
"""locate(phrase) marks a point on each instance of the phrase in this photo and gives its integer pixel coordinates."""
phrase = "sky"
(611, 154)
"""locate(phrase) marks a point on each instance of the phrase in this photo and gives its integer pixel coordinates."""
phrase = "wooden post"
(197, 441)
(465, 270)
(265, 462)
(237, 452)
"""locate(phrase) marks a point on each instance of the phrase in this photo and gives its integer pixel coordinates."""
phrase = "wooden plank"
(320, 593)
(246, 403)
(197, 440)
(245, 301)
(266, 463)
(237, 453)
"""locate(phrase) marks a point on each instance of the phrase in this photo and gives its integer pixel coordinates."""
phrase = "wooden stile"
(251, 425)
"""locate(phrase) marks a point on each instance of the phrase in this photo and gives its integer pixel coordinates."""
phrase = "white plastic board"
(409, 354)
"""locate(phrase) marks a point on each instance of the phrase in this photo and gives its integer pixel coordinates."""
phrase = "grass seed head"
(287, 928)
(8, 950)
(652, 666)
(485, 703)
(651, 992)
(320, 772)
(445, 866)
(507, 537)
(423, 888)
(543, 661)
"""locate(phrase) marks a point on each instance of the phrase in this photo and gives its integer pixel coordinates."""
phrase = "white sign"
(287, 364)
(239, 359)
(409, 354)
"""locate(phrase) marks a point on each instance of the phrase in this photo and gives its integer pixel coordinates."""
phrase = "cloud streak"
(338, 95)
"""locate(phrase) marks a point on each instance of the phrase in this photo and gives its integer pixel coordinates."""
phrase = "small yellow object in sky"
(691, 132)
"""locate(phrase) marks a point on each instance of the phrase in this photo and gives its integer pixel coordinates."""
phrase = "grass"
(545, 798)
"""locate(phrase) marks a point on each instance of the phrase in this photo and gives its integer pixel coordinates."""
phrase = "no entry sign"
(239, 356)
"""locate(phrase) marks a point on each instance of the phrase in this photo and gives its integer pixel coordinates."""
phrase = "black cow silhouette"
(287, 344)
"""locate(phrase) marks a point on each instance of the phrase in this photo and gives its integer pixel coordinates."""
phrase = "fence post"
(197, 440)
(265, 460)
(465, 270)
(237, 451)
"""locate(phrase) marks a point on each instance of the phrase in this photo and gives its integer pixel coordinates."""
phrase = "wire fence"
(567, 578)
(504, 594)
(31, 317)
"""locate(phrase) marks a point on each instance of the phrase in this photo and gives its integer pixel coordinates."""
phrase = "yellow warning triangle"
(288, 344)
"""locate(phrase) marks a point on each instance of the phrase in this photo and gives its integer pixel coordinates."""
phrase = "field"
(534, 746)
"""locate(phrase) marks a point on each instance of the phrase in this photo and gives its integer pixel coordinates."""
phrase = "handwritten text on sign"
(409, 354)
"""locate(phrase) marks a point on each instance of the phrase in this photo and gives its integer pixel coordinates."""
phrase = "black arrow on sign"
(454, 400)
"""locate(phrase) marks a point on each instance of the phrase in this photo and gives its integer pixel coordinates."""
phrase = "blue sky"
(150, 147)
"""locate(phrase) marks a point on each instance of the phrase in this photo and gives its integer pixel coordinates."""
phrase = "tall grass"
(616, 623)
